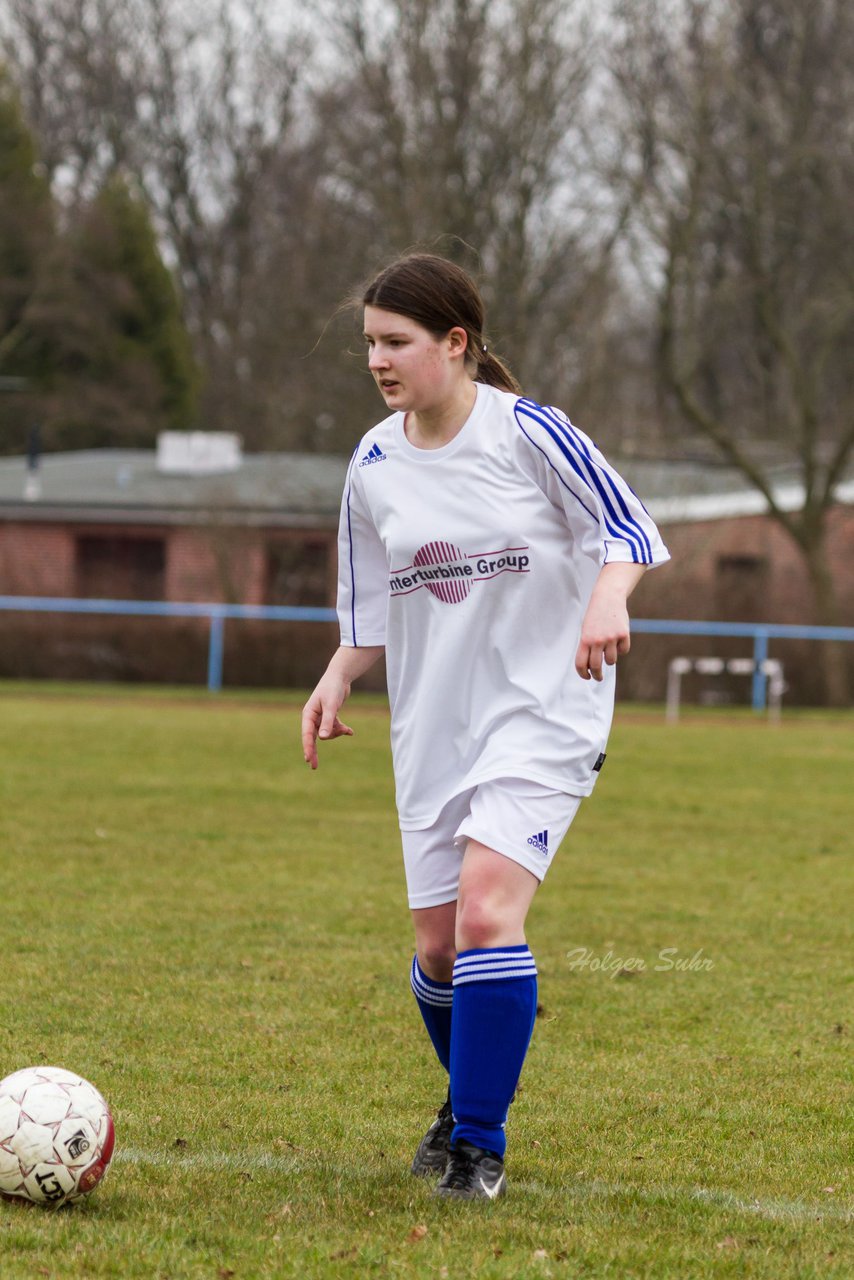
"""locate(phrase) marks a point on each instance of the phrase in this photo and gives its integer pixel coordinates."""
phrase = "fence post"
(215, 647)
(760, 655)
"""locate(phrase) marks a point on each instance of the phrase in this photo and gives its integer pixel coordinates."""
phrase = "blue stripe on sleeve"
(350, 538)
(555, 470)
(626, 529)
(596, 470)
(613, 526)
(576, 453)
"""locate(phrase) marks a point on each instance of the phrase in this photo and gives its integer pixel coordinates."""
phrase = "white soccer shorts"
(522, 820)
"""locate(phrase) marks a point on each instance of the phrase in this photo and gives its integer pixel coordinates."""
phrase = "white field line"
(785, 1210)
(658, 1193)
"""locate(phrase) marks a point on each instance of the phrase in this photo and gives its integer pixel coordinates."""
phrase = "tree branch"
(711, 427)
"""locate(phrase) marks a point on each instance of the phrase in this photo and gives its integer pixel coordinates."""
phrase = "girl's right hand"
(320, 713)
(320, 716)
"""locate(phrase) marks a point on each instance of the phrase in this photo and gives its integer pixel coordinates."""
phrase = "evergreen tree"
(90, 318)
(124, 365)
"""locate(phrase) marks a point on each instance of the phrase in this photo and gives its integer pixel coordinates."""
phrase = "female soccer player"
(483, 539)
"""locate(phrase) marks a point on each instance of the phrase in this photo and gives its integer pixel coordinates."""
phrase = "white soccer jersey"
(473, 564)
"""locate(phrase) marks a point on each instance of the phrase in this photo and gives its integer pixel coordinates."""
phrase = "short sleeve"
(602, 510)
(362, 570)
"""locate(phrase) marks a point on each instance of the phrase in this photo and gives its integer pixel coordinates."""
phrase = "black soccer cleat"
(432, 1154)
(472, 1174)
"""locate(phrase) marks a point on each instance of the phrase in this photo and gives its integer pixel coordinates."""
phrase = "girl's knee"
(436, 958)
(481, 924)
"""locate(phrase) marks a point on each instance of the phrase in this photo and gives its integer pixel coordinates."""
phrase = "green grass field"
(219, 940)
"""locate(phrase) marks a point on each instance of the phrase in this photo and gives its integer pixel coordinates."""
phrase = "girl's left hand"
(604, 635)
(605, 632)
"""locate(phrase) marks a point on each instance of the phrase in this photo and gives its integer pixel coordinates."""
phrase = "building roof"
(679, 492)
(304, 490)
(125, 486)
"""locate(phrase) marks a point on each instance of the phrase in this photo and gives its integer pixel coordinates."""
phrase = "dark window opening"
(120, 568)
(741, 587)
(298, 573)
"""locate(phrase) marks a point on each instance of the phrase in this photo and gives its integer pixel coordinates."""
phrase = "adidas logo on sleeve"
(540, 841)
(374, 454)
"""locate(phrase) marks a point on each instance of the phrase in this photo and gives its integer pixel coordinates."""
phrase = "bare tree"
(277, 182)
(80, 67)
(461, 124)
(737, 121)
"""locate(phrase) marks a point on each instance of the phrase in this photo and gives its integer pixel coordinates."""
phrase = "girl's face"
(413, 369)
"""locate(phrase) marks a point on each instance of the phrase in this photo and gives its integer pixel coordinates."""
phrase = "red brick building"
(140, 525)
(114, 523)
(261, 529)
(734, 563)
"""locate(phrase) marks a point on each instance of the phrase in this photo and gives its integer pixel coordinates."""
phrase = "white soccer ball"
(56, 1136)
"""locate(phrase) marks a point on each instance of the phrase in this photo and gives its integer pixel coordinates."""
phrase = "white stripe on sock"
(494, 955)
(430, 993)
(493, 961)
(496, 973)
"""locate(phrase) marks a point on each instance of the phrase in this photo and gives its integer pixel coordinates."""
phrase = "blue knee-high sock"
(435, 1000)
(495, 1004)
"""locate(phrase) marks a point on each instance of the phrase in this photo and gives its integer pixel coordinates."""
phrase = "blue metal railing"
(761, 633)
(217, 614)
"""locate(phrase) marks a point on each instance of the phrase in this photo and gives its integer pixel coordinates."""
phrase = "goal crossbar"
(771, 668)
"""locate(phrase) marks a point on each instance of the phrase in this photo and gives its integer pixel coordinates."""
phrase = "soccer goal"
(769, 667)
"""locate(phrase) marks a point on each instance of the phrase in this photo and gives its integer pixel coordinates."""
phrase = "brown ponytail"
(440, 296)
(494, 373)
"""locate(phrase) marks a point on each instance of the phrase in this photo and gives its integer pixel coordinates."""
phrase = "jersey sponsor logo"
(374, 454)
(448, 573)
(540, 841)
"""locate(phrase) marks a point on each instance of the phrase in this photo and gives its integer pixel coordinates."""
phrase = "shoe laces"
(460, 1171)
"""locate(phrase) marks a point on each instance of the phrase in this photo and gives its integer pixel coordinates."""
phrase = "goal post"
(769, 668)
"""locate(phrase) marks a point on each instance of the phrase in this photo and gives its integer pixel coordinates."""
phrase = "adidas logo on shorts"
(540, 841)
